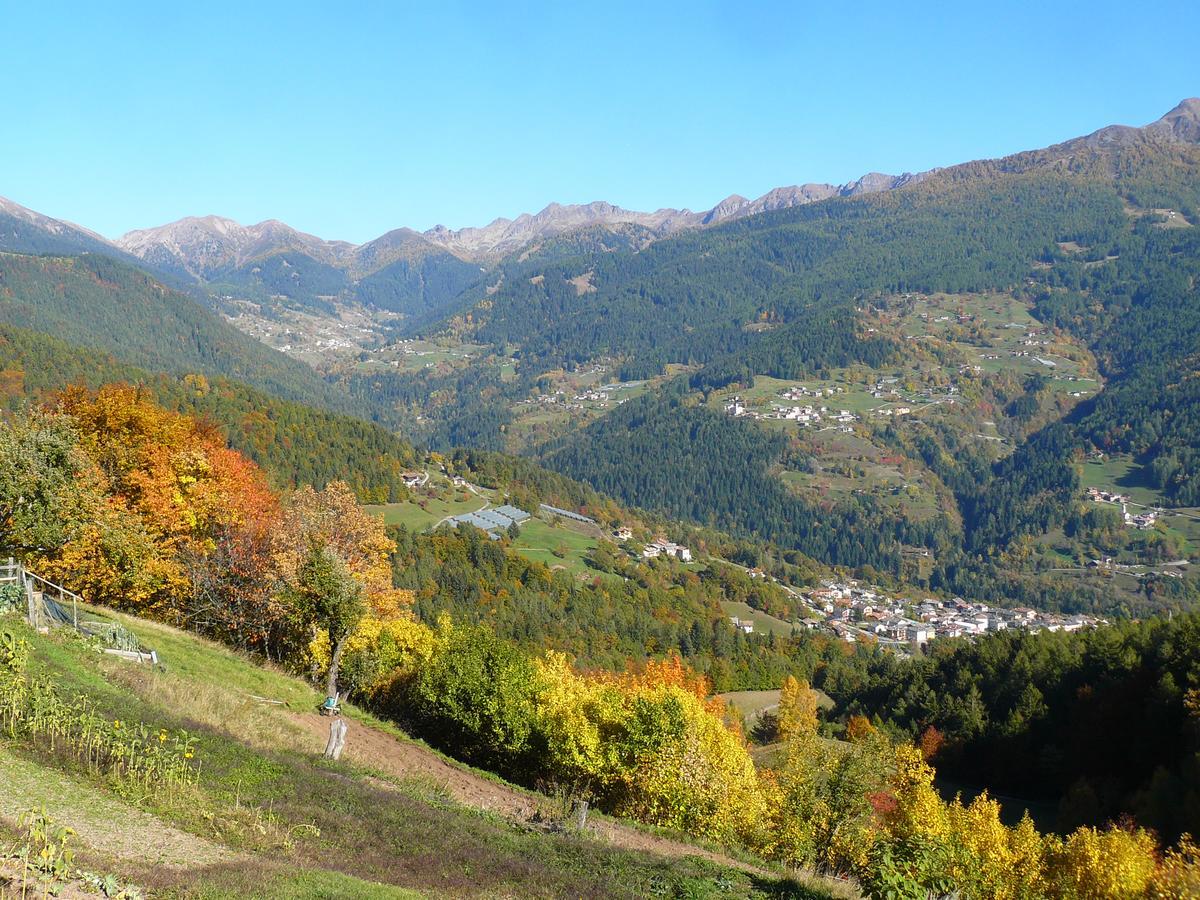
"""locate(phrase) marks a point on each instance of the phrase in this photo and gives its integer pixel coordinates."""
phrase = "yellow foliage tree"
(383, 649)
(797, 710)
(918, 810)
(989, 859)
(651, 746)
(1115, 864)
(1178, 877)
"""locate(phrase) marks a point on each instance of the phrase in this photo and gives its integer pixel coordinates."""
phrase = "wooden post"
(337, 739)
(30, 600)
(579, 809)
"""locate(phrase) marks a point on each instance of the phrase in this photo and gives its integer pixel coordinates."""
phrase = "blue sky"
(347, 120)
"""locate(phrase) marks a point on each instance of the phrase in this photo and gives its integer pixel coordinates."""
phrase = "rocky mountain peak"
(1181, 123)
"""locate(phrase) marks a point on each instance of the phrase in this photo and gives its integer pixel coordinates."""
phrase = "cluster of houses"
(1035, 339)
(743, 625)
(663, 547)
(1101, 496)
(1144, 520)
(1138, 570)
(602, 395)
(800, 392)
(804, 415)
(658, 547)
(854, 612)
(885, 388)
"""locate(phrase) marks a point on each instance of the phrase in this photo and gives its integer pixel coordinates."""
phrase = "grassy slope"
(538, 541)
(262, 782)
(762, 621)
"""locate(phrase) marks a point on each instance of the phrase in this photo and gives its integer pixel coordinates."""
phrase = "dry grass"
(262, 725)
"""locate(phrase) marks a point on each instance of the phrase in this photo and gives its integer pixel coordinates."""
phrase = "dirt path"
(102, 822)
(373, 749)
(378, 750)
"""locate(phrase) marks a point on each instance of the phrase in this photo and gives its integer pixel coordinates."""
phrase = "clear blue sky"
(347, 120)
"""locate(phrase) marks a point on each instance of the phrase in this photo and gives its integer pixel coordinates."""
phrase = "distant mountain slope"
(214, 249)
(1099, 234)
(411, 272)
(97, 301)
(24, 231)
(400, 271)
(685, 299)
(207, 247)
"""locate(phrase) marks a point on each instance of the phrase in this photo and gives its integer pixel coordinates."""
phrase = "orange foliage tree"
(179, 502)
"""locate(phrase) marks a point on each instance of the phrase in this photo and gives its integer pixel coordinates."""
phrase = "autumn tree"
(333, 518)
(175, 496)
(859, 728)
(173, 471)
(797, 710)
(328, 597)
(931, 742)
(48, 486)
(235, 592)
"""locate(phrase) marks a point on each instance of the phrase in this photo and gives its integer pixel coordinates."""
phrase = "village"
(881, 400)
(856, 612)
(600, 397)
(807, 416)
(1143, 521)
(311, 335)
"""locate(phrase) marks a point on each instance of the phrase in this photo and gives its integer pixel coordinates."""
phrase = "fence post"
(580, 812)
(27, 583)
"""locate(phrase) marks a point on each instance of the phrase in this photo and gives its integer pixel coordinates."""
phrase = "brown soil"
(104, 824)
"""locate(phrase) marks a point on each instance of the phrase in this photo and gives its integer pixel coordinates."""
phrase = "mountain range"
(409, 271)
(1091, 241)
(208, 245)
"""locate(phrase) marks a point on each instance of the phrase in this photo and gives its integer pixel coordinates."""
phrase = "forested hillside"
(1117, 278)
(98, 302)
(143, 509)
(687, 298)
(1096, 724)
(296, 444)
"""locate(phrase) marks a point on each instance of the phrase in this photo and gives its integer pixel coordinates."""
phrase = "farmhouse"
(662, 546)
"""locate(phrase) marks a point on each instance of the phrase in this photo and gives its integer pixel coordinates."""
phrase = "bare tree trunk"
(335, 663)
(337, 739)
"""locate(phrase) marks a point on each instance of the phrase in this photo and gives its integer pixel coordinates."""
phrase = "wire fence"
(43, 610)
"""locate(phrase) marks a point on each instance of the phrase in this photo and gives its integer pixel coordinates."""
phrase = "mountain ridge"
(272, 258)
(189, 243)
(504, 235)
